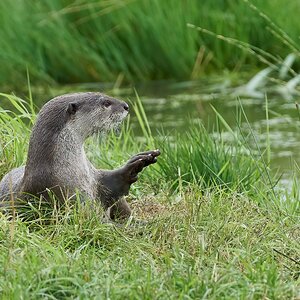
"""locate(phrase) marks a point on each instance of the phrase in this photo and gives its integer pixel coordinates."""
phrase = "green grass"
(211, 246)
(84, 41)
(201, 241)
(14, 131)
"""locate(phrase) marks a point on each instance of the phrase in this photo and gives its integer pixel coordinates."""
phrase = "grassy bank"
(69, 42)
(210, 246)
(212, 235)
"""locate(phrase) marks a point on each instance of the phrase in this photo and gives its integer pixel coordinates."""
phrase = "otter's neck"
(51, 148)
(69, 150)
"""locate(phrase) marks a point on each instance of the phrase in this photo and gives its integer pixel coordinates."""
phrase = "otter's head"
(90, 113)
(82, 113)
(67, 120)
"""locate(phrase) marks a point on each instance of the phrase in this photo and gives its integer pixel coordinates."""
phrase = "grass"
(211, 246)
(71, 42)
(202, 240)
(14, 131)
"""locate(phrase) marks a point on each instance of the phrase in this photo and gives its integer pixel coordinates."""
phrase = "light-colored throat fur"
(70, 163)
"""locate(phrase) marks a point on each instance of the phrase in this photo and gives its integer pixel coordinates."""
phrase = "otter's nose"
(126, 107)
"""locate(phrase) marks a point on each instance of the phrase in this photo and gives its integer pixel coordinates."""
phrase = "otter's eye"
(107, 103)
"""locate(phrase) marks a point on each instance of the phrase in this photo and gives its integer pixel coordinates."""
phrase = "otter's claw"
(152, 153)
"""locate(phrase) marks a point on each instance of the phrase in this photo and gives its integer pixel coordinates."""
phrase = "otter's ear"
(72, 108)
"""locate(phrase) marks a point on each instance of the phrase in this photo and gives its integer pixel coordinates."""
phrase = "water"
(170, 105)
(170, 108)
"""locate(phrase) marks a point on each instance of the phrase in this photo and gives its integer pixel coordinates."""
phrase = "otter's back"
(11, 183)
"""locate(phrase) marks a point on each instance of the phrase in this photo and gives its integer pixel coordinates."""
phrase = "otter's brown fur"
(57, 161)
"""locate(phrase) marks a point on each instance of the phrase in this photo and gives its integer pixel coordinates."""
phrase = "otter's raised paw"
(138, 162)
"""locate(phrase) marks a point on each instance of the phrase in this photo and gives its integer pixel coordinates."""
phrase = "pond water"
(172, 105)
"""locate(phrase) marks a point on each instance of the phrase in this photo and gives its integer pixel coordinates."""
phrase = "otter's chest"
(77, 175)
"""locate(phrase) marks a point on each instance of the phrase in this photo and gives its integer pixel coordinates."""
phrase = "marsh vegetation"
(69, 42)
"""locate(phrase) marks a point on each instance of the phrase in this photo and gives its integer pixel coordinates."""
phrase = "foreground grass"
(216, 235)
(203, 245)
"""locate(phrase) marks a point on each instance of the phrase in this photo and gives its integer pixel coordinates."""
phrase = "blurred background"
(130, 41)
(180, 56)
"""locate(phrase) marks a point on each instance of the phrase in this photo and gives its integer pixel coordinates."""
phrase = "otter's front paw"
(138, 162)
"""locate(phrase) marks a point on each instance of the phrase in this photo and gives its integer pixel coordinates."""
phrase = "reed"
(71, 42)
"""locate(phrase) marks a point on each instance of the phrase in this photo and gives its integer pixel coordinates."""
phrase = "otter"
(57, 162)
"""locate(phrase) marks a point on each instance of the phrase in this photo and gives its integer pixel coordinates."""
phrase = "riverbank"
(216, 226)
